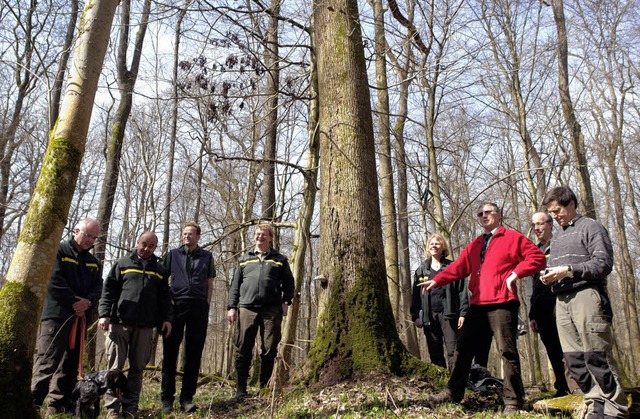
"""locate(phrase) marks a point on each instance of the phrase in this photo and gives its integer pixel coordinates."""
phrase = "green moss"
(18, 328)
(328, 345)
(357, 332)
(84, 25)
(52, 196)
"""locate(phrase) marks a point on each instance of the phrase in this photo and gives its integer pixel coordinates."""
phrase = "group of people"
(143, 292)
(570, 307)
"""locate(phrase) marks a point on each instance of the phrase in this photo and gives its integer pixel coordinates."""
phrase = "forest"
(357, 128)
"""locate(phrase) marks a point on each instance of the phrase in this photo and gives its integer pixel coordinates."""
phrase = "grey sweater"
(585, 245)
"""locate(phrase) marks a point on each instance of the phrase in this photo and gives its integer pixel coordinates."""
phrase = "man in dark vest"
(191, 271)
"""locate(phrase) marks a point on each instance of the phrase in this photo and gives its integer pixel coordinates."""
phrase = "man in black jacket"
(191, 271)
(74, 288)
(135, 299)
(542, 310)
(260, 295)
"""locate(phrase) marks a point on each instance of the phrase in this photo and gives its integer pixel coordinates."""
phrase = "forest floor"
(368, 396)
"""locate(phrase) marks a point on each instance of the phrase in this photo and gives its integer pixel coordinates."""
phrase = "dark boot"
(266, 369)
(242, 375)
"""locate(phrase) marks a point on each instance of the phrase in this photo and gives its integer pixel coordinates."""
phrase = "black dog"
(88, 391)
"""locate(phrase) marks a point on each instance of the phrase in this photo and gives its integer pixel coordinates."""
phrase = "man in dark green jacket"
(74, 288)
(135, 299)
(260, 295)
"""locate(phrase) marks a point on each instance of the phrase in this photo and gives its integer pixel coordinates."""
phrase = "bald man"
(135, 299)
(74, 288)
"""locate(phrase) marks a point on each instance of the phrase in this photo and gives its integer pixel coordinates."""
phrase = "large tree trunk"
(28, 276)
(126, 83)
(356, 331)
(575, 131)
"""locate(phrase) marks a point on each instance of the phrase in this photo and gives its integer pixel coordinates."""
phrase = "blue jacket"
(193, 283)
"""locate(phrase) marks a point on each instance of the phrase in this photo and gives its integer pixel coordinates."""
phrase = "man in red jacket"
(493, 262)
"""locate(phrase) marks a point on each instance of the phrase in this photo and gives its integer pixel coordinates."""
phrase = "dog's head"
(116, 381)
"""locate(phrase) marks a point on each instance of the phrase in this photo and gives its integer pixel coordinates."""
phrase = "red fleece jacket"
(508, 251)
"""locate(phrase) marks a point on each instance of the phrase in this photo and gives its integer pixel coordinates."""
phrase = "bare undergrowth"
(366, 396)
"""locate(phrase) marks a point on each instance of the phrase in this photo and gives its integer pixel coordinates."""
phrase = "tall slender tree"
(126, 82)
(575, 130)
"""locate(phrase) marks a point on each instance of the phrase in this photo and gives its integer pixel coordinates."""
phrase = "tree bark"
(356, 331)
(174, 128)
(271, 61)
(575, 131)
(56, 91)
(126, 83)
(28, 275)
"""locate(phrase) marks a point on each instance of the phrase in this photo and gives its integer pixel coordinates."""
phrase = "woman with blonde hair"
(440, 314)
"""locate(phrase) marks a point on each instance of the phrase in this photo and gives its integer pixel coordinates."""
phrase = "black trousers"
(502, 321)
(549, 335)
(439, 332)
(191, 318)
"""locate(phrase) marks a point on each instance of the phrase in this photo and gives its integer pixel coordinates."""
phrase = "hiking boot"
(444, 396)
(560, 393)
(187, 406)
(241, 393)
(130, 412)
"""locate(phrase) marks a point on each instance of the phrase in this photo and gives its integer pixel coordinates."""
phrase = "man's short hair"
(563, 195)
(495, 206)
(266, 227)
(194, 225)
(548, 217)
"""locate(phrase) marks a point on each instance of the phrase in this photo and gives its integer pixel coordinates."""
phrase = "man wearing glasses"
(494, 262)
(74, 288)
(542, 311)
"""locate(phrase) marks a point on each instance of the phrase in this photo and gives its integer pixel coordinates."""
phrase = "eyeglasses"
(540, 224)
(87, 235)
(485, 212)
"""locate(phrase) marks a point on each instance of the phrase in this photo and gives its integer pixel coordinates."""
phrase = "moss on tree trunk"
(18, 307)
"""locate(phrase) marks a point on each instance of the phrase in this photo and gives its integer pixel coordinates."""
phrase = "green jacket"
(258, 283)
(74, 275)
(136, 294)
